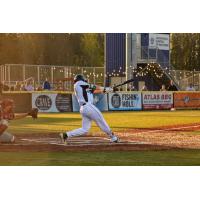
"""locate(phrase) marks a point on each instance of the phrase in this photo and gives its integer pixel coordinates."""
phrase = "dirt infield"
(158, 138)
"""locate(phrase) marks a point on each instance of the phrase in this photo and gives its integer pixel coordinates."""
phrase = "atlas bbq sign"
(157, 100)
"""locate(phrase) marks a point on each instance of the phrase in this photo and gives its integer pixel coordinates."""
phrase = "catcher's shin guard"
(7, 138)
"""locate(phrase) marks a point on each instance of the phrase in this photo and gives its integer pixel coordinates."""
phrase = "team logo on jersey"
(43, 102)
(116, 101)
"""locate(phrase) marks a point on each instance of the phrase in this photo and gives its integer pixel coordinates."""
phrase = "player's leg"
(101, 122)
(86, 124)
(7, 137)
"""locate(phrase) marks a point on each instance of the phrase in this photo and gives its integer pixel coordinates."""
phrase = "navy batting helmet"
(79, 77)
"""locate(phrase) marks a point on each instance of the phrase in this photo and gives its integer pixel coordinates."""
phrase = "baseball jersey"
(83, 92)
(6, 110)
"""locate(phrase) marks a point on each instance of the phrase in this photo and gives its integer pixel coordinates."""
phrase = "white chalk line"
(70, 140)
(74, 139)
(82, 142)
(166, 129)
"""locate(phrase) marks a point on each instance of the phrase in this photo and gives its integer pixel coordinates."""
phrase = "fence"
(11, 73)
(184, 78)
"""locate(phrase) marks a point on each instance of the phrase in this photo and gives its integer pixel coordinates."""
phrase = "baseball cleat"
(114, 139)
(63, 137)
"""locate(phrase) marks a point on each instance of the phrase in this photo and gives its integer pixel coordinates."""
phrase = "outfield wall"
(187, 100)
(55, 102)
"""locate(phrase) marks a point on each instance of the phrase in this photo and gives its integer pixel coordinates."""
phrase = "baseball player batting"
(7, 114)
(84, 94)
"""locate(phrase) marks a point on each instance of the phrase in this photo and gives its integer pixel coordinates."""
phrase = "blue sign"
(125, 101)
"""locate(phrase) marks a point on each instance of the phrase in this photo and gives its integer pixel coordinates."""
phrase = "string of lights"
(97, 73)
(150, 69)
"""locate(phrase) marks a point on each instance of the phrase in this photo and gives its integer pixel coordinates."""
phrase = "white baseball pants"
(90, 113)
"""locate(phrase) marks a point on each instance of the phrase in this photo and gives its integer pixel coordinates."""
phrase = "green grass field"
(117, 120)
(124, 158)
(55, 123)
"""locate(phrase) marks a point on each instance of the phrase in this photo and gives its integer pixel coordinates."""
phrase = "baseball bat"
(124, 83)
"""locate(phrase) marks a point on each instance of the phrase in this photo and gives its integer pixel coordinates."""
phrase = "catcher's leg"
(7, 137)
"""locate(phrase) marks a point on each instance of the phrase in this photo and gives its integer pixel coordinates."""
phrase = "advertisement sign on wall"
(100, 101)
(157, 100)
(52, 102)
(125, 101)
(160, 41)
(187, 100)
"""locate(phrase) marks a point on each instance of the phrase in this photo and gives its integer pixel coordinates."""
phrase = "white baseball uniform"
(88, 111)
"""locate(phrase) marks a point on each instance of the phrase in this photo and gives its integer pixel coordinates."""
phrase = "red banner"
(187, 100)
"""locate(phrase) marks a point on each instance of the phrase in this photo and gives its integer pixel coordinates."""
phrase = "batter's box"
(80, 141)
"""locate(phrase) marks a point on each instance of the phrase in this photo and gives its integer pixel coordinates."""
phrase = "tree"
(52, 49)
(185, 52)
(93, 49)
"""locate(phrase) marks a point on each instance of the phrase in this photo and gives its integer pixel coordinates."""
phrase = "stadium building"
(142, 56)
